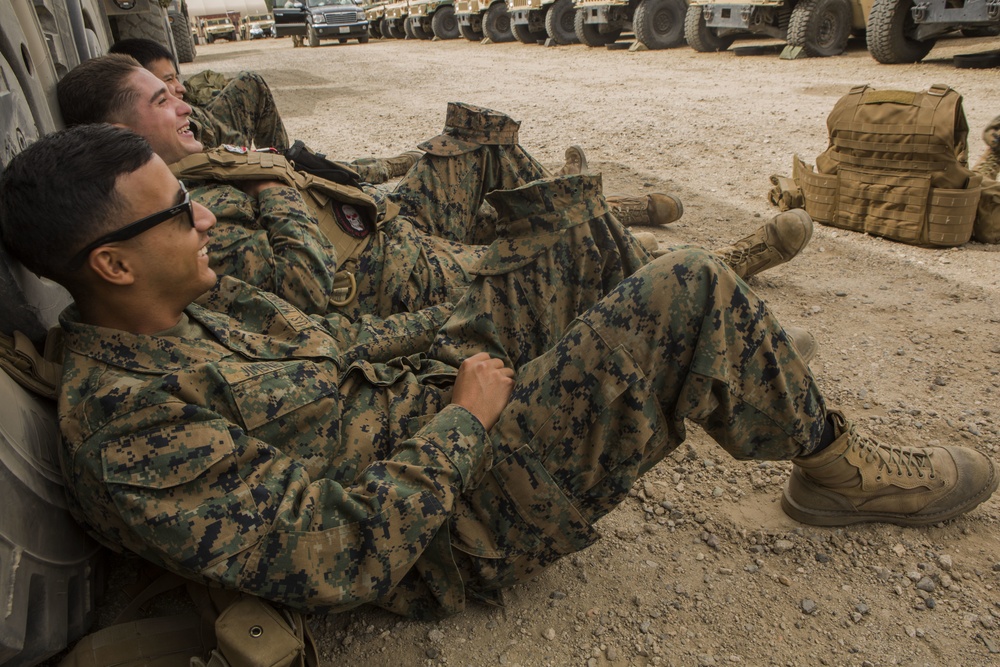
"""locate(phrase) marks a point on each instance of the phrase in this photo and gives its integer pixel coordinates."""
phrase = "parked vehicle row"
(897, 31)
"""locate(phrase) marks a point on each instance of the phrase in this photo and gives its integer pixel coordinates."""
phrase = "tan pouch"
(252, 633)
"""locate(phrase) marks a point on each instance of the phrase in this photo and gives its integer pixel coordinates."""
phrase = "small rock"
(926, 584)
(944, 560)
(550, 634)
(432, 653)
(611, 653)
(822, 557)
(435, 636)
(911, 631)
(781, 546)
(899, 550)
(808, 606)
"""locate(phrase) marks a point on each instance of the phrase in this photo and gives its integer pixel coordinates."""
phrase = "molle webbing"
(318, 193)
(895, 167)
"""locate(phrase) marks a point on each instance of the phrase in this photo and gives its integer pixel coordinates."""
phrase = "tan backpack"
(896, 167)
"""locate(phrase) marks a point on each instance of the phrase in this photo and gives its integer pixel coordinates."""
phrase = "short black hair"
(59, 194)
(146, 51)
(98, 91)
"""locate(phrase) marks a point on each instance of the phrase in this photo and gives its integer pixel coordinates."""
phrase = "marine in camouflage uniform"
(324, 467)
(251, 448)
(426, 254)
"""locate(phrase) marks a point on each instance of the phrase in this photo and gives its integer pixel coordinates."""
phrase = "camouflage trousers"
(242, 113)
(429, 253)
(609, 367)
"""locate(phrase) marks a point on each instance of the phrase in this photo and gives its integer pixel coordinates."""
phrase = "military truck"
(433, 18)
(904, 31)
(657, 24)
(535, 20)
(50, 571)
(395, 19)
(820, 27)
(263, 21)
(478, 19)
(375, 13)
(220, 26)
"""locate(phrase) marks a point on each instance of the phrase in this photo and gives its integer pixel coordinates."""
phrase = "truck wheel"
(418, 30)
(890, 24)
(700, 37)
(469, 33)
(820, 27)
(182, 37)
(444, 24)
(46, 561)
(375, 29)
(590, 34)
(313, 36)
(395, 29)
(659, 24)
(363, 39)
(408, 30)
(559, 22)
(149, 25)
(524, 34)
(496, 23)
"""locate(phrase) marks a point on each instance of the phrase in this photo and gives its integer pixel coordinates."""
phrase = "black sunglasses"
(133, 229)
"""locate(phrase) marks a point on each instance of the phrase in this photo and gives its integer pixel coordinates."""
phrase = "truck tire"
(890, 24)
(659, 24)
(183, 43)
(590, 34)
(820, 27)
(149, 25)
(47, 563)
(496, 23)
(524, 34)
(395, 30)
(444, 24)
(559, 22)
(418, 30)
(313, 36)
(700, 37)
(981, 31)
(408, 30)
(469, 33)
(375, 28)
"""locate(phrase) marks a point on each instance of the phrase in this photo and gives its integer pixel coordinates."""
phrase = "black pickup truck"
(322, 19)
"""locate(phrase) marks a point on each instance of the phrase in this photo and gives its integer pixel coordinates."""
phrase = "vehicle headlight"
(319, 18)
(361, 15)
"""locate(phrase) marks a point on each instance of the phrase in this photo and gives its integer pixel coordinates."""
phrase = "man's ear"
(112, 265)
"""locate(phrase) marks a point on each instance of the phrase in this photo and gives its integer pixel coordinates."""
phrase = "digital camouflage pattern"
(420, 257)
(321, 468)
(242, 112)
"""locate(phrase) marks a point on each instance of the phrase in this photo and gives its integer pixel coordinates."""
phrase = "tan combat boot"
(774, 243)
(399, 165)
(576, 162)
(856, 479)
(646, 210)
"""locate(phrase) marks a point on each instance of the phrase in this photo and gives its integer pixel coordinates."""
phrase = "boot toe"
(664, 209)
(793, 230)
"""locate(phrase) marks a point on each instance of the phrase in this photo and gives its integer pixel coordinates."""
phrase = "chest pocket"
(267, 391)
(180, 492)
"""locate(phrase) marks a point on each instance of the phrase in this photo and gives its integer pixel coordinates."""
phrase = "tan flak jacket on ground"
(896, 167)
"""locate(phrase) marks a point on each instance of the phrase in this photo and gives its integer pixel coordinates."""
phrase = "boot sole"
(814, 517)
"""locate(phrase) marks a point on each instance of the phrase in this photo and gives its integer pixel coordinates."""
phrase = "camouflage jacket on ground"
(273, 453)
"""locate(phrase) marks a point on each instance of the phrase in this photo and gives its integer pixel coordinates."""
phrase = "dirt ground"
(700, 566)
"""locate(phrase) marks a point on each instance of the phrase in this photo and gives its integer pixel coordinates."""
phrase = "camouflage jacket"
(271, 242)
(274, 453)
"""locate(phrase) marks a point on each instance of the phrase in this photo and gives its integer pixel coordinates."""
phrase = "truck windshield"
(329, 3)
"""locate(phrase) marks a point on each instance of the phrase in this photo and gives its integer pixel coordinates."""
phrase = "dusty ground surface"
(700, 566)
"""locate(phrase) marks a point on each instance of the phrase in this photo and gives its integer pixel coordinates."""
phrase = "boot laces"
(893, 459)
(741, 255)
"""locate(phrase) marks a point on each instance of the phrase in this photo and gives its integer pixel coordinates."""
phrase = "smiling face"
(161, 118)
(170, 261)
(164, 70)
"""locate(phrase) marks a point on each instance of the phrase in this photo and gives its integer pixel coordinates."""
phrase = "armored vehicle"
(433, 18)
(375, 13)
(904, 31)
(484, 18)
(657, 24)
(217, 27)
(820, 27)
(263, 21)
(395, 19)
(534, 20)
(50, 571)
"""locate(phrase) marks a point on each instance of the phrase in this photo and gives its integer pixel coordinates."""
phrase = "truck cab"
(322, 19)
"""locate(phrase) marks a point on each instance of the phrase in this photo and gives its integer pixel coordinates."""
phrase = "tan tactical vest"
(229, 163)
(895, 167)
